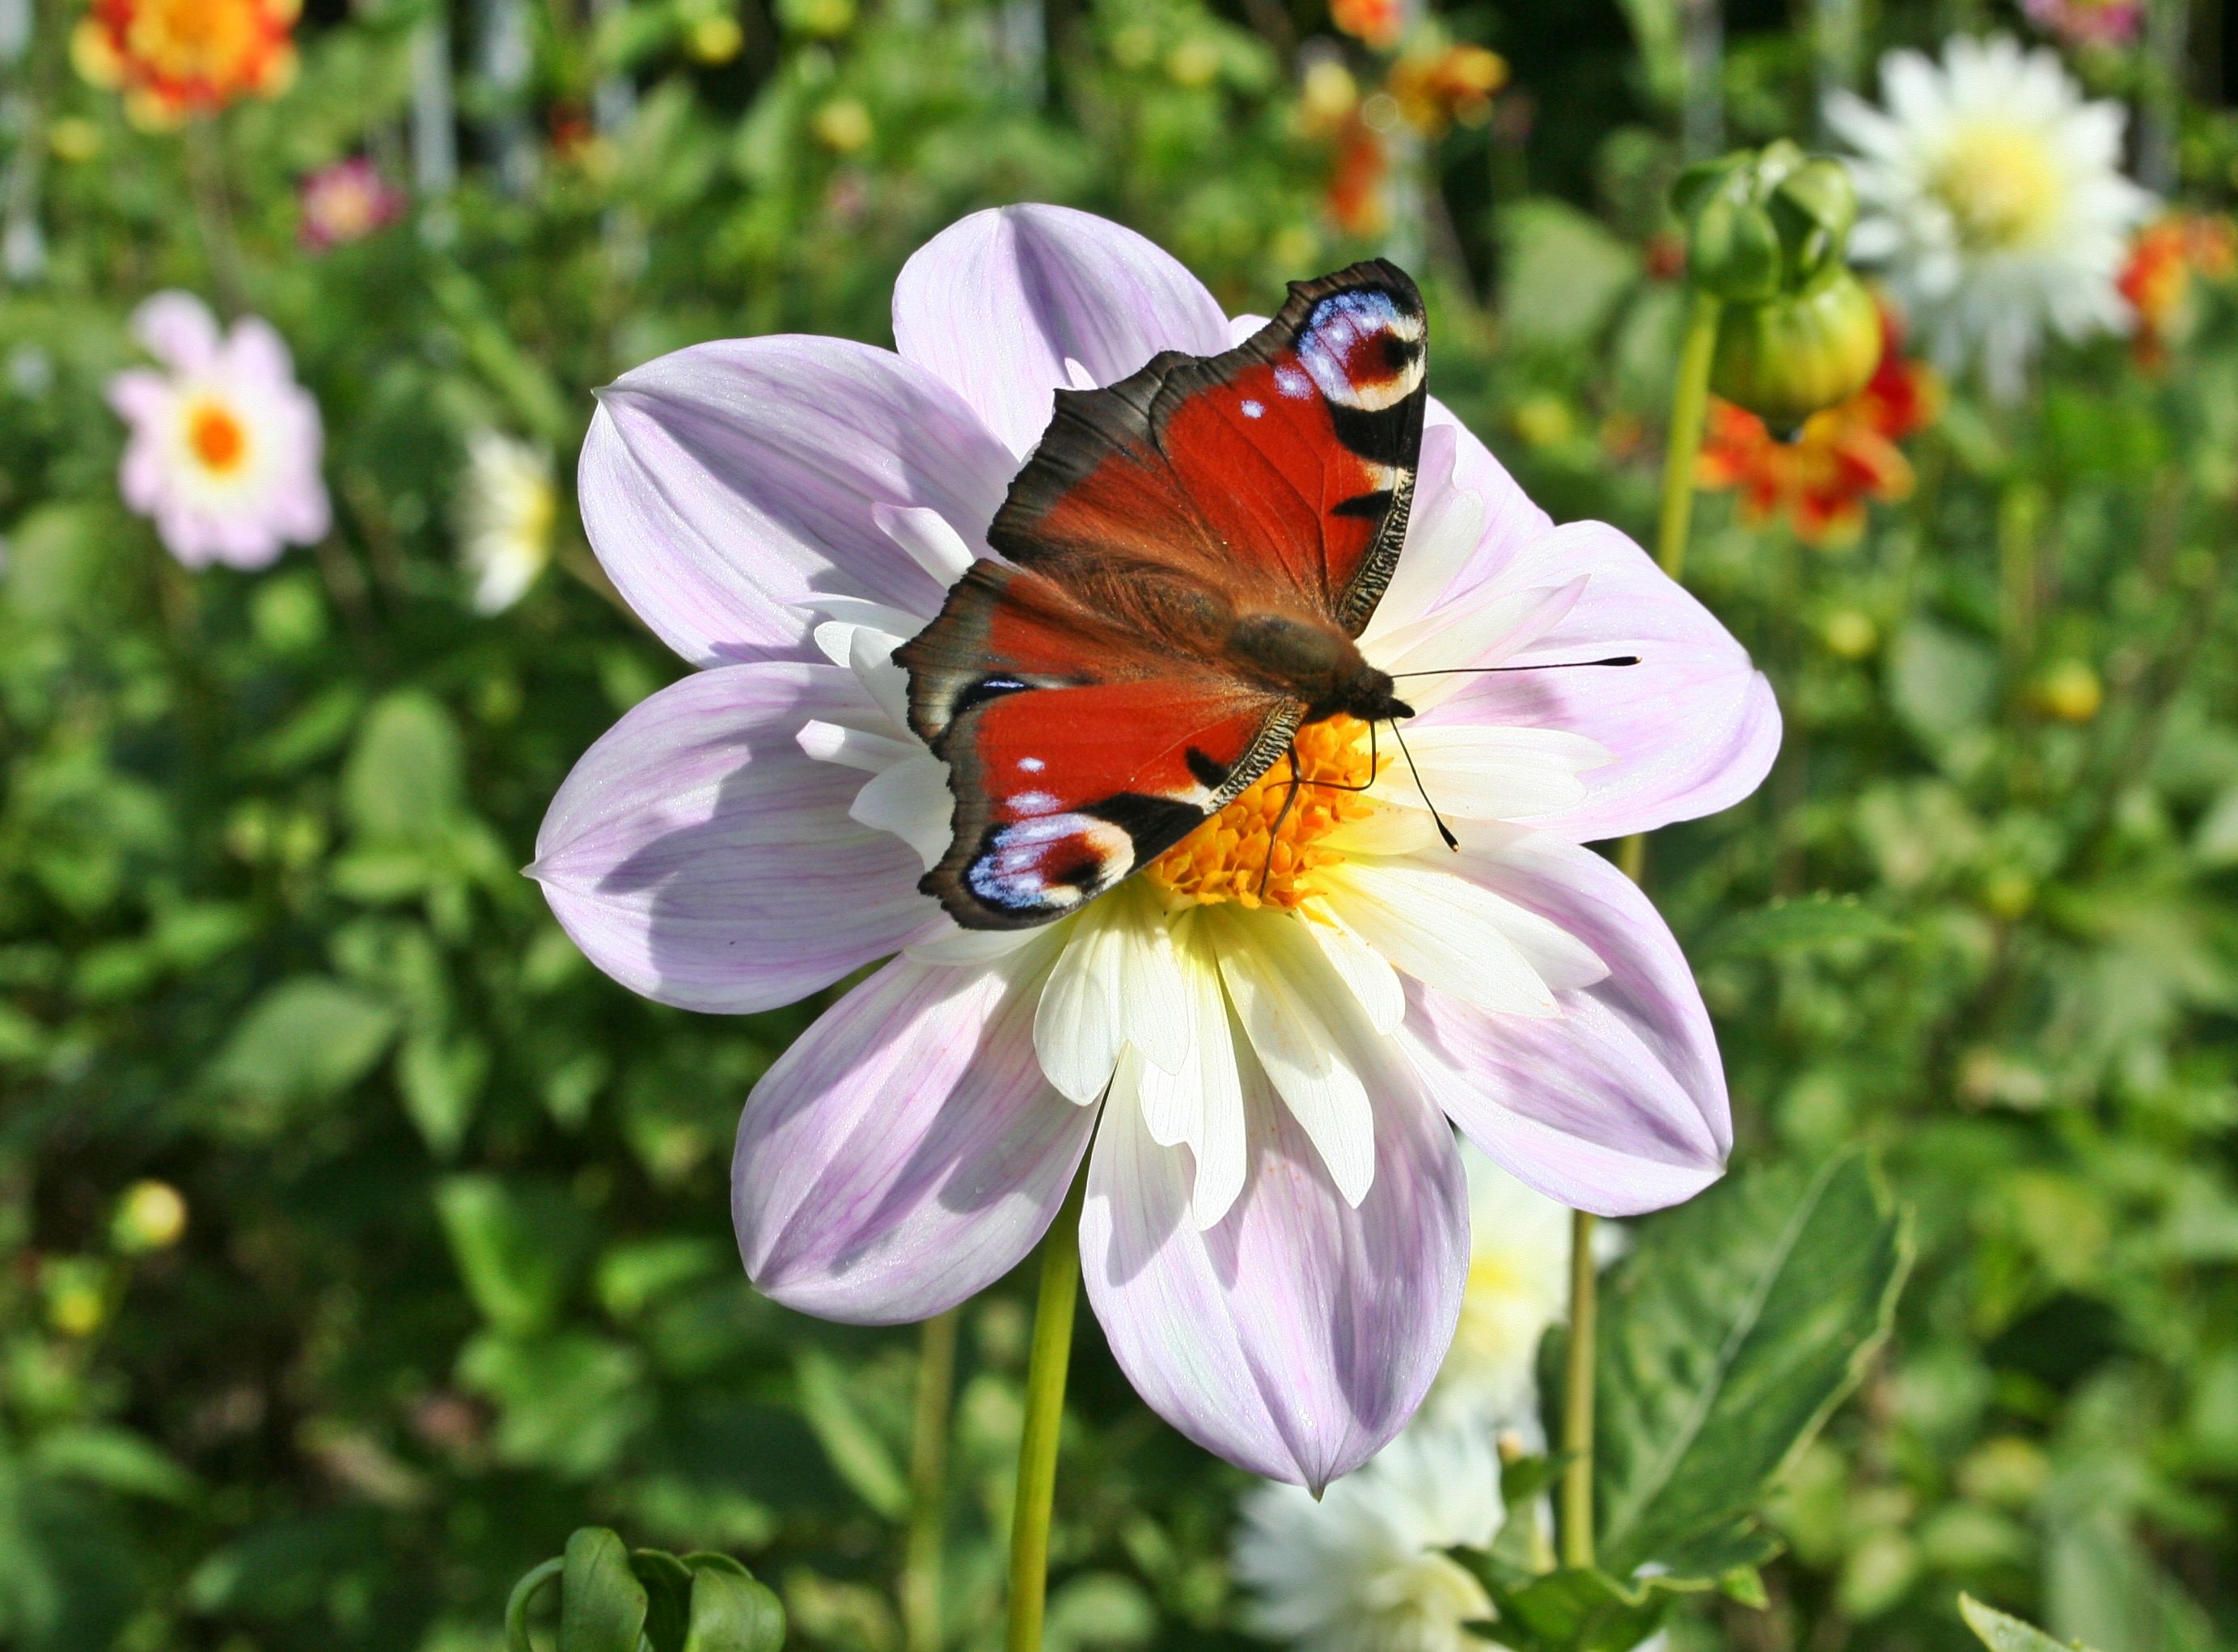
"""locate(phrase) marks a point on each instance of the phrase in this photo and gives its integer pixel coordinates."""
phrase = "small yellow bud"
(1544, 421)
(1195, 61)
(1851, 633)
(843, 125)
(715, 40)
(74, 138)
(2071, 691)
(151, 1216)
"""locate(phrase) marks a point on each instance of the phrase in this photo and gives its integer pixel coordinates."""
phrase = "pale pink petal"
(699, 857)
(906, 1151)
(1690, 730)
(725, 484)
(140, 395)
(1001, 302)
(256, 354)
(1296, 1336)
(1512, 522)
(1618, 1105)
(178, 330)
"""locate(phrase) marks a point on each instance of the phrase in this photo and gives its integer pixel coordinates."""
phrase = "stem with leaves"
(1045, 1373)
(1690, 403)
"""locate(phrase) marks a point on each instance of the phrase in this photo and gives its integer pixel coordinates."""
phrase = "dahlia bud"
(1766, 232)
(1787, 357)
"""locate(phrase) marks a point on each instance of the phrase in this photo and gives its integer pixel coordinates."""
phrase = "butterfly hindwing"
(1075, 755)
(1281, 471)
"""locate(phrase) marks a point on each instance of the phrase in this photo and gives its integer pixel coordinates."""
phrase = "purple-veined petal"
(1690, 730)
(1298, 1334)
(723, 485)
(998, 303)
(698, 857)
(906, 1151)
(1618, 1104)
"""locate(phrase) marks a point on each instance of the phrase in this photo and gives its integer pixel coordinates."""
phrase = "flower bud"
(1786, 357)
(1764, 223)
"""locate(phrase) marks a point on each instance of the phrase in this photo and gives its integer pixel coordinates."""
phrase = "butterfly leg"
(1367, 784)
(1275, 832)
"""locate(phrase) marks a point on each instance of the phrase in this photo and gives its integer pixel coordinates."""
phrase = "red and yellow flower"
(2158, 280)
(173, 59)
(1843, 455)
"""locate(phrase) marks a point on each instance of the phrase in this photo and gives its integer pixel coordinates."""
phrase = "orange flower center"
(216, 437)
(193, 38)
(1264, 849)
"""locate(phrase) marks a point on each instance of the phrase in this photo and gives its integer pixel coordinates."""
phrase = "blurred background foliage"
(358, 1242)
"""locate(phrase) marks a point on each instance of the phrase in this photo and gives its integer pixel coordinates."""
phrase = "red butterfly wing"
(1076, 753)
(1083, 696)
(1281, 471)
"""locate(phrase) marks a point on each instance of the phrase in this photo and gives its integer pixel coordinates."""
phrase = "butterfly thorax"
(1311, 660)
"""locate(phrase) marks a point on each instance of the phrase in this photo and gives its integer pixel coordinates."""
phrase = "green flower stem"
(936, 1390)
(1045, 1374)
(1578, 1397)
(1689, 406)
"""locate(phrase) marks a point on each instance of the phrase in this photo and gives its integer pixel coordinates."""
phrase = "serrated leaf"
(1727, 1337)
(1580, 1609)
(2001, 1632)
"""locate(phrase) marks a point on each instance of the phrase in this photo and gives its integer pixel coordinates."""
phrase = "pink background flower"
(224, 448)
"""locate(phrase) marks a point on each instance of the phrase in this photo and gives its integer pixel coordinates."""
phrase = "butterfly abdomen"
(1314, 662)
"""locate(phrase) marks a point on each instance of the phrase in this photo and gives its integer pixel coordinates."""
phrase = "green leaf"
(849, 1439)
(1814, 923)
(307, 1039)
(517, 1247)
(1580, 1609)
(731, 1611)
(1565, 273)
(668, 1597)
(516, 1605)
(115, 1459)
(406, 778)
(1727, 1338)
(602, 1604)
(2001, 1632)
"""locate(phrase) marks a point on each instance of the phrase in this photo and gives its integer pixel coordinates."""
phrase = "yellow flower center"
(216, 437)
(2001, 186)
(1264, 849)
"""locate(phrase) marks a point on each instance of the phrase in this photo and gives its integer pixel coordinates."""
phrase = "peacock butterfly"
(1187, 559)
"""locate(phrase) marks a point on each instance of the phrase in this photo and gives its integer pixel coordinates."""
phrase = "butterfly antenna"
(1551, 665)
(1275, 832)
(1444, 830)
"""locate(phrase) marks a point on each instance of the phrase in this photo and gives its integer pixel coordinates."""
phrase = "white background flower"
(507, 507)
(1992, 200)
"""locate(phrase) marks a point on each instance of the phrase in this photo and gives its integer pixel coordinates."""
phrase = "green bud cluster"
(1767, 235)
(613, 1599)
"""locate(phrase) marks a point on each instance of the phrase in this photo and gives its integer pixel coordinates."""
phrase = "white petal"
(1116, 983)
(854, 747)
(1365, 970)
(1202, 1104)
(1297, 1011)
(911, 800)
(1444, 931)
(930, 538)
(1481, 772)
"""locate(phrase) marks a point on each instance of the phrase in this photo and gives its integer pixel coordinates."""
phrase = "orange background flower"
(172, 59)
(1843, 457)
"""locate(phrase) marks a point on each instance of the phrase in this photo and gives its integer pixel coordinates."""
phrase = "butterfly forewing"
(1086, 697)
